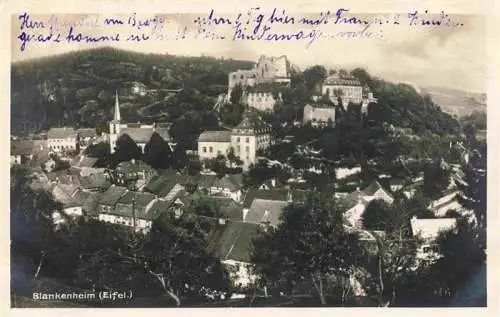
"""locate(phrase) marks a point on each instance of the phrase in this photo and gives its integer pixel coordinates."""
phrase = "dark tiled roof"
(158, 207)
(271, 194)
(232, 182)
(162, 184)
(95, 181)
(215, 136)
(206, 181)
(112, 195)
(61, 133)
(139, 135)
(266, 211)
(84, 161)
(234, 241)
(136, 166)
(86, 133)
(163, 132)
(227, 207)
(372, 188)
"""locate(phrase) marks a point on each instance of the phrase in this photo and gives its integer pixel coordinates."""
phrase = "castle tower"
(114, 125)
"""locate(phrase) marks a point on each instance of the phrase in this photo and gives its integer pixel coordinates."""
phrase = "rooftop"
(266, 211)
(111, 196)
(233, 241)
(61, 133)
(430, 229)
(87, 132)
(342, 81)
(232, 182)
(215, 136)
(270, 194)
(139, 135)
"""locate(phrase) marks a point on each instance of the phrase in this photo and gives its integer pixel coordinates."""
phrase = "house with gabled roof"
(265, 212)
(429, 230)
(229, 185)
(356, 202)
(232, 243)
(132, 209)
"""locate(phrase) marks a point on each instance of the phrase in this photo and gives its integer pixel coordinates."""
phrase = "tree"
(236, 94)
(436, 180)
(313, 76)
(395, 256)
(32, 230)
(461, 255)
(177, 259)
(101, 151)
(126, 150)
(310, 245)
(157, 152)
(377, 216)
(232, 114)
(417, 206)
(218, 165)
(233, 159)
(474, 196)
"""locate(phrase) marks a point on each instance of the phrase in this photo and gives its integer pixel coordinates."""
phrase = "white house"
(213, 143)
(62, 139)
(262, 101)
(428, 230)
(318, 115)
(449, 201)
(251, 135)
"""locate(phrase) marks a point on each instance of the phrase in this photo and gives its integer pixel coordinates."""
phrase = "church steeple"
(117, 116)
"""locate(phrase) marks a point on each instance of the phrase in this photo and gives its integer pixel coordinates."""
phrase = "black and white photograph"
(258, 157)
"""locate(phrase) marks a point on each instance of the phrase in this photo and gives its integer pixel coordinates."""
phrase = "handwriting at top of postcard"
(253, 24)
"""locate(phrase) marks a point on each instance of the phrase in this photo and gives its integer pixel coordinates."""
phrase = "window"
(211, 149)
(204, 150)
(247, 149)
(248, 140)
(238, 139)
(238, 148)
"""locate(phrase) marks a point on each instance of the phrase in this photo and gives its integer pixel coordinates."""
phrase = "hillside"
(456, 102)
(77, 88)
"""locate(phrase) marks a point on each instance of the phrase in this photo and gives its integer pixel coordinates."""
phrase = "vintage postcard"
(250, 156)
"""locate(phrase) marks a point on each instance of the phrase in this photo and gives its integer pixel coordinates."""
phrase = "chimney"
(289, 196)
(245, 212)
(273, 182)
(132, 161)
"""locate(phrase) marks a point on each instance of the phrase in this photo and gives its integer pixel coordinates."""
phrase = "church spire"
(117, 116)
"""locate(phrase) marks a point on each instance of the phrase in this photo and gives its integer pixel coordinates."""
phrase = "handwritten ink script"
(276, 25)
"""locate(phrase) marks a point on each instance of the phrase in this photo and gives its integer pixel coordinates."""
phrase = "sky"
(453, 57)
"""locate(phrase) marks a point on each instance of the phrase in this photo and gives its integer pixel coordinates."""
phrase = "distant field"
(456, 102)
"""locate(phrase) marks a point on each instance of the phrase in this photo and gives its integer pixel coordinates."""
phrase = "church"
(140, 133)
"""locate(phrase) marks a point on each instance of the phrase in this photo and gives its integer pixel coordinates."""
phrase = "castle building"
(266, 70)
(246, 139)
(140, 133)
